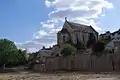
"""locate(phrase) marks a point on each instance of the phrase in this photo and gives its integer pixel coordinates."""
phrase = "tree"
(8, 52)
(98, 47)
(91, 40)
(32, 59)
(68, 50)
(23, 56)
(78, 45)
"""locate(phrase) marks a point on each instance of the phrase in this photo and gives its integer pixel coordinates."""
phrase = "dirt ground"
(58, 76)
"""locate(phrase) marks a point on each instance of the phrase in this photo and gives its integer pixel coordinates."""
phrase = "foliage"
(70, 42)
(32, 59)
(68, 50)
(23, 56)
(98, 47)
(91, 40)
(106, 41)
(10, 55)
(8, 52)
(79, 45)
(57, 55)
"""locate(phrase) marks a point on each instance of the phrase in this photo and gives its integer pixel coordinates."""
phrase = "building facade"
(115, 37)
(74, 32)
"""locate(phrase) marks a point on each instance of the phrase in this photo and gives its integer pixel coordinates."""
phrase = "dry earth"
(58, 76)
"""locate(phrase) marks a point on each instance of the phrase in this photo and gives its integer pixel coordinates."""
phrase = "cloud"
(40, 34)
(80, 11)
(83, 11)
(78, 4)
(78, 8)
(38, 43)
(48, 3)
(46, 36)
(75, 14)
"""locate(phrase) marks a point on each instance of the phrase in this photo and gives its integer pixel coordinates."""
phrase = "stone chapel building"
(75, 32)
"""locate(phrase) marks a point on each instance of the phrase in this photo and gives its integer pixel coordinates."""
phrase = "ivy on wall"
(91, 40)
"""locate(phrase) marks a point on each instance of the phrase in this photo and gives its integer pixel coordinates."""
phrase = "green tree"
(98, 47)
(68, 50)
(8, 52)
(23, 56)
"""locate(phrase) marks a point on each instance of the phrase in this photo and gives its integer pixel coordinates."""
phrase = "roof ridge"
(76, 23)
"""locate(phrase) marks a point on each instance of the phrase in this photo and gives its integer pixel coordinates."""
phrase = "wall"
(39, 67)
(117, 56)
(101, 64)
(83, 62)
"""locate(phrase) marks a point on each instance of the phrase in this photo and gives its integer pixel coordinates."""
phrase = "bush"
(91, 40)
(98, 48)
(68, 50)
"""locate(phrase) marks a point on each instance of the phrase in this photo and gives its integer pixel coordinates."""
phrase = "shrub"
(98, 47)
(68, 50)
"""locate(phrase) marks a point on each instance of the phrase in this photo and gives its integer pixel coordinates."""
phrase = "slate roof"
(81, 27)
(105, 33)
(115, 32)
(102, 34)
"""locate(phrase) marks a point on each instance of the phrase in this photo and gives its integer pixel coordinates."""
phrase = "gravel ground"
(58, 76)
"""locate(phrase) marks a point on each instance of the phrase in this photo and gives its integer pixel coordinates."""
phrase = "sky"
(32, 24)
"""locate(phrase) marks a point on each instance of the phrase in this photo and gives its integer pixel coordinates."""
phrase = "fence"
(82, 62)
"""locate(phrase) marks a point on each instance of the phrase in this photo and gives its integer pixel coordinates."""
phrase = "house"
(107, 35)
(117, 46)
(115, 36)
(74, 32)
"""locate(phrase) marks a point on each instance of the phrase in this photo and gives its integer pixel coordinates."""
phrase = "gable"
(67, 26)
